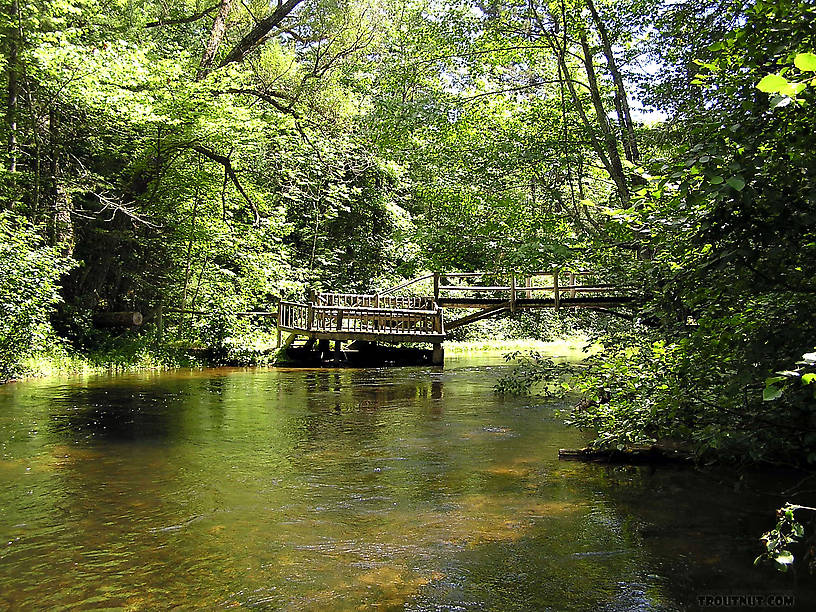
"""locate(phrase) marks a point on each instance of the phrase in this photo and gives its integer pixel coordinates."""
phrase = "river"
(376, 489)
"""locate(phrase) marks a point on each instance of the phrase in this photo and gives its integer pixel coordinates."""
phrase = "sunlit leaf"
(805, 61)
(769, 394)
(772, 83)
(785, 557)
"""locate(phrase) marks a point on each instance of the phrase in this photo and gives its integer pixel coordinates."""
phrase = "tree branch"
(229, 171)
(270, 97)
(259, 33)
(181, 20)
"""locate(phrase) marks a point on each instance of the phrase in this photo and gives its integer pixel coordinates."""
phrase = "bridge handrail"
(373, 300)
(406, 284)
(316, 318)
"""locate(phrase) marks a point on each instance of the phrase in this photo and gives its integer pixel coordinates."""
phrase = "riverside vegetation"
(219, 155)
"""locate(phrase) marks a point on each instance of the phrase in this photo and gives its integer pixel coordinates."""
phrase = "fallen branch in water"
(638, 455)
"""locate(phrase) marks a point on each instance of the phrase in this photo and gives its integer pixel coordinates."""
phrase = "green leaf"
(737, 182)
(808, 378)
(772, 83)
(769, 394)
(785, 557)
(792, 89)
(779, 101)
(798, 530)
(805, 61)
(716, 180)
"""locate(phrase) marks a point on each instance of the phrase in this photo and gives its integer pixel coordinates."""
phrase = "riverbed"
(351, 489)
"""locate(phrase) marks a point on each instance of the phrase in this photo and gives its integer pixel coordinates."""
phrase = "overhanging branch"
(229, 172)
(181, 20)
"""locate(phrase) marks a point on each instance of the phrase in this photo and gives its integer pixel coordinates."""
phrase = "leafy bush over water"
(29, 276)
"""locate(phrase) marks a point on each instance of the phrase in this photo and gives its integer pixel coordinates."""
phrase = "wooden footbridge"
(391, 318)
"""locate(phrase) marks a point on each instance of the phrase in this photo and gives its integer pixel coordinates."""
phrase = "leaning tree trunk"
(61, 222)
(13, 40)
(615, 165)
(217, 31)
(630, 146)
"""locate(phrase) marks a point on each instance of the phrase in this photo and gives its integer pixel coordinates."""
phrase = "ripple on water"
(326, 490)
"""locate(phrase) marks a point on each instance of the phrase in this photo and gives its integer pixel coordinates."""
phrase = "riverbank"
(142, 355)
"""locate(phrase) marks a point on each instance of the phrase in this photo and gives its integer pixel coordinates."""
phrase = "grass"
(139, 354)
(572, 345)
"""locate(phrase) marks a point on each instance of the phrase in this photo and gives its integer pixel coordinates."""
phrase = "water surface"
(378, 489)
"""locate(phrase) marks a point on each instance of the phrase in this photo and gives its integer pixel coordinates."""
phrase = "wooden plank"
(347, 336)
(384, 311)
(477, 288)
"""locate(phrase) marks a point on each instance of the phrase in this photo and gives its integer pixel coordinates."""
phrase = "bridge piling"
(438, 356)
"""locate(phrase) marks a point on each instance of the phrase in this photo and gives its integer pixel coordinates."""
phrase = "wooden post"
(310, 317)
(513, 292)
(436, 287)
(555, 290)
(438, 356)
(437, 321)
(339, 319)
(278, 324)
(572, 284)
(338, 350)
(528, 282)
(376, 300)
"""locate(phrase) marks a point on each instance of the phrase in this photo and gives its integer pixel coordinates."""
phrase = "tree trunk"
(259, 33)
(11, 110)
(615, 166)
(219, 27)
(118, 319)
(62, 226)
(621, 101)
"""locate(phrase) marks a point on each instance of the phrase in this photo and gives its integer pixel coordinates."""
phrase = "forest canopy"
(223, 154)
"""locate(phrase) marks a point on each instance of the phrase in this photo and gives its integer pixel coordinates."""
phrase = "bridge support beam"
(324, 347)
(438, 356)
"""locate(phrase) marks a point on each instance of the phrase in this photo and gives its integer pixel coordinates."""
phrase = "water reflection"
(331, 489)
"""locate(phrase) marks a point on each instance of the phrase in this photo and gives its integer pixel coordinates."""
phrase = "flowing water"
(377, 489)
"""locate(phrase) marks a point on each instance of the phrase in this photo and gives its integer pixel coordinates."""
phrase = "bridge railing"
(557, 284)
(374, 300)
(311, 317)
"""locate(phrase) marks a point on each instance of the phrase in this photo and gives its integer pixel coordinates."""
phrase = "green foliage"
(29, 283)
(534, 371)
(788, 533)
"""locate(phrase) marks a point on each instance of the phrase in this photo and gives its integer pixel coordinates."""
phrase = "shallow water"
(379, 489)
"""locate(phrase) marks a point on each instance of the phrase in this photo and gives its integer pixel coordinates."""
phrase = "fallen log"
(632, 456)
(118, 319)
